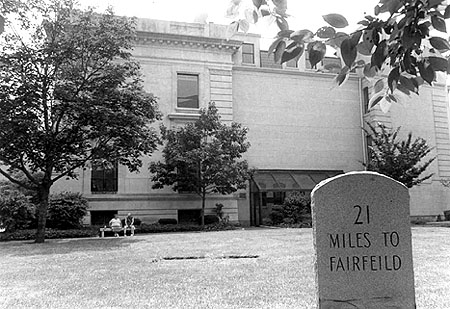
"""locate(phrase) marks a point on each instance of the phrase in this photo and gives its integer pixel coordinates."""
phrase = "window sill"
(186, 110)
(184, 114)
(103, 192)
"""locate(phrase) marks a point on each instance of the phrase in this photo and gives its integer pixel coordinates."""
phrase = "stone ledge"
(439, 223)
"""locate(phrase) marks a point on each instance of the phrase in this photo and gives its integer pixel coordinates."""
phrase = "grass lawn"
(256, 268)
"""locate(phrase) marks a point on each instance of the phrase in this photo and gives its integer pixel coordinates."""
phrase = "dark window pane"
(104, 179)
(365, 99)
(189, 216)
(102, 217)
(96, 185)
(187, 91)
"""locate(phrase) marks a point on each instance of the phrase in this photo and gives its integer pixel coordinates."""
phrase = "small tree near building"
(399, 160)
(203, 157)
(69, 94)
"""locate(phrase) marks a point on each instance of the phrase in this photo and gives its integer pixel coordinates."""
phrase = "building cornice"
(149, 38)
(283, 71)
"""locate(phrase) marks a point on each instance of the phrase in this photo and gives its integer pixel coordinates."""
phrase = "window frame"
(197, 76)
(103, 189)
(245, 53)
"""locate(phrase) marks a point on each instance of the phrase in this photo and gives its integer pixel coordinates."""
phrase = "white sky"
(305, 13)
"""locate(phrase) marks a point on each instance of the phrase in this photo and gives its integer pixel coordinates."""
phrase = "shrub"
(16, 211)
(295, 209)
(164, 221)
(209, 219)
(30, 234)
(66, 210)
(166, 228)
(295, 206)
(276, 215)
(219, 210)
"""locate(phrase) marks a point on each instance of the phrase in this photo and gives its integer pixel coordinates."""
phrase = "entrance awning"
(290, 180)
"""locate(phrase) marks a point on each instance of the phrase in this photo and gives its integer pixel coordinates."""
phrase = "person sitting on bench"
(129, 224)
(116, 225)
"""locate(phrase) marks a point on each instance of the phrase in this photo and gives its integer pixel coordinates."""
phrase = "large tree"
(406, 41)
(203, 157)
(70, 94)
(398, 159)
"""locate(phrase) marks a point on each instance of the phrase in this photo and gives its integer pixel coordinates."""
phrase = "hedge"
(30, 234)
(94, 231)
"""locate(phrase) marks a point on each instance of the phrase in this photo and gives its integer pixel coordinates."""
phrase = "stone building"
(301, 131)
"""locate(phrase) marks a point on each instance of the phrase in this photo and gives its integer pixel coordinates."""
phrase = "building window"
(189, 216)
(366, 99)
(248, 53)
(369, 142)
(292, 63)
(187, 91)
(268, 62)
(186, 183)
(104, 178)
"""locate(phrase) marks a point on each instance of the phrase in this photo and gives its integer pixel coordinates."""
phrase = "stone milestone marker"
(362, 242)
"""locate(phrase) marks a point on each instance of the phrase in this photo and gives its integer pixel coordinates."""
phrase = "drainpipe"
(361, 113)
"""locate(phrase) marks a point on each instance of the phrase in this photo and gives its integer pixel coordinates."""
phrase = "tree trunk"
(203, 209)
(43, 195)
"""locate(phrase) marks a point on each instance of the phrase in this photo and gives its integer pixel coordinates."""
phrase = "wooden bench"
(108, 229)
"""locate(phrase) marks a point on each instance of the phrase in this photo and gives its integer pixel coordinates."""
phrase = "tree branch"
(18, 182)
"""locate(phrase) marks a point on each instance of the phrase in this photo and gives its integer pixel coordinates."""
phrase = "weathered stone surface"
(362, 240)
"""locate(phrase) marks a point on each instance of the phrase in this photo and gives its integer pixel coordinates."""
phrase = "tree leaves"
(447, 12)
(232, 29)
(367, 43)
(336, 20)
(438, 63)
(302, 36)
(426, 71)
(438, 23)
(349, 50)
(274, 45)
(258, 3)
(326, 32)
(282, 23)
(440, 44)
(393, 78)
(337, 40)
(244, 25)
(379, 85)
(279, 51)
(391, 6)
(280, 7)
(292, 51)
(375, 99)
(342, 76)
(251, 16)
(380, 54)
(433, 3)
(316, 52)
(2, 24)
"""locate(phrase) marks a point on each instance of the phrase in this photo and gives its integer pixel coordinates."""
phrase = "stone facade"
(296, 122)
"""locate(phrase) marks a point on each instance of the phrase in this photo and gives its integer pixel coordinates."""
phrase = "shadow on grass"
(66, 246)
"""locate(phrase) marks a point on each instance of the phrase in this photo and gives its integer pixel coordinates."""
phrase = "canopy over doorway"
(269, 188)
